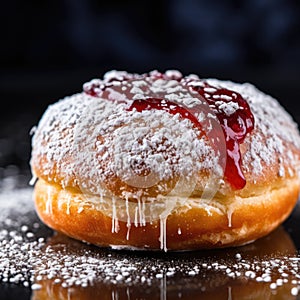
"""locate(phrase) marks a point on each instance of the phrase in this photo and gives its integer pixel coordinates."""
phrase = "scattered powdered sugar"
(31, 256)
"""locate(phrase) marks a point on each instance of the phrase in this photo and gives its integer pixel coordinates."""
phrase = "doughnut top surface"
(164, 91)
(132, 133)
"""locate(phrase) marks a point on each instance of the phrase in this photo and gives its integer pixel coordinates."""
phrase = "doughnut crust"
(149, 179)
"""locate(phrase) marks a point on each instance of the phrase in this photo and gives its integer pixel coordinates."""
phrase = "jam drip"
(232, 111)
(236, 120)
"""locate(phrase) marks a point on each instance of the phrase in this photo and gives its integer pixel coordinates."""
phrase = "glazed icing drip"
(231, 110)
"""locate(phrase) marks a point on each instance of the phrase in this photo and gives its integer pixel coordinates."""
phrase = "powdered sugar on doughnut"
(88, 117)
(71, 127)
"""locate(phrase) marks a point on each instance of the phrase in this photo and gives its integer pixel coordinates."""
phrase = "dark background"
(48, 49)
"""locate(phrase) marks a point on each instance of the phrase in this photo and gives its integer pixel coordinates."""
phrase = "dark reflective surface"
(225, 274)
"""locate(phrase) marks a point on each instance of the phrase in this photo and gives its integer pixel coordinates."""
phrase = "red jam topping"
(236, 123)
(231, 110)
(168, 106)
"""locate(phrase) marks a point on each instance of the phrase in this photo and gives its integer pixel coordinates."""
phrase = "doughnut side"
(197, 225)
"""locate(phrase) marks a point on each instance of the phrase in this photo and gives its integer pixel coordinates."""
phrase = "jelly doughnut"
(165, 161)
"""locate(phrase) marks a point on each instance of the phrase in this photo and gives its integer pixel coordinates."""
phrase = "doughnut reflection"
(265, 269)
